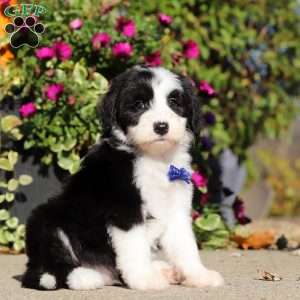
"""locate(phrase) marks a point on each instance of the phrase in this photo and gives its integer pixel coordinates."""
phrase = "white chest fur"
(161, 197)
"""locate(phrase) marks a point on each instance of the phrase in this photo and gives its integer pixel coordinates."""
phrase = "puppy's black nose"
(161, 128)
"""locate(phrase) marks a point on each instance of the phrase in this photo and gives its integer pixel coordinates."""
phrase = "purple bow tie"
(179, 174)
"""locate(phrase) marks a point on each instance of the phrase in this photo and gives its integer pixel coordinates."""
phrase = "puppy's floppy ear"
(195, 116)
(107, 106)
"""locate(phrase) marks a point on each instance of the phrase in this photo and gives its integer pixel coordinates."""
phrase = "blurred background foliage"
(283, 176)
(247, 51)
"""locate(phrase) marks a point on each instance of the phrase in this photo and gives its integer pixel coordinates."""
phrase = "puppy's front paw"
(208, 278)
(172, 275)
(153, 280)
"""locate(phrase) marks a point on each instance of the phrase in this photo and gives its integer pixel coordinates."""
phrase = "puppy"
(101, 228)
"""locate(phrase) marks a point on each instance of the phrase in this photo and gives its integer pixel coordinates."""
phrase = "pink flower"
(63, 50)
(164, 19)
(54, 91)
(206, 88)
(76, 24)
(199, 180)
(122, 49)
(153, 59)
(191, 49)
(45, 53)
(126, 27)
(27, 110)
(100, 39)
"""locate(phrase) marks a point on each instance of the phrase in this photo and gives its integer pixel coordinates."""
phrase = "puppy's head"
(151, 109)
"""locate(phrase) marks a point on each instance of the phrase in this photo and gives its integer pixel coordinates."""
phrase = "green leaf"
(19, 245)
(16, 133)
(209, 223)
(222, 234)
(65, 163)
(56, 147)
(2, 198)
(100, 83)
(75, 167)
(12, 157)
(9, 197)
(215, 243)
(3, 239)
(5, 164)
(10, 122)
(4, 214)
(79, 73)
(12, 222)
(69, 144)
(28, 144)
(3, 184)
(47, 159)
(25, 179)
(9, 236)
(70, 163)
(12, 185)
(203, 189)
(21, 230)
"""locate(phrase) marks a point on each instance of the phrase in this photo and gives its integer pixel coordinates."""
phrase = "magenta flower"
(54, 91)
(126, 27)
(122, 49)
(164, 19)
(76, 24)
(191, 49)
(153, 59)
(199, 179)
(100, 39)
(206, 88)
(27, 110)
(45, 53)
(63, 50)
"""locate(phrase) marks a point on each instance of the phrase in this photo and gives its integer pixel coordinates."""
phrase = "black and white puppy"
(101, 228)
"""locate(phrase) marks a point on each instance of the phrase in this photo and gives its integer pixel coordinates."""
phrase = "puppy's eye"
(174, 101)
(139, 105)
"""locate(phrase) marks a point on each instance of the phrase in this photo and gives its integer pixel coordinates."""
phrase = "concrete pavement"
(239, 273)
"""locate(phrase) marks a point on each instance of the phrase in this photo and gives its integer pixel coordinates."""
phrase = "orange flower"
(5, 53)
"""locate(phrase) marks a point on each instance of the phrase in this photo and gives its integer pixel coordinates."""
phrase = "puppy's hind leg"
(83, 278)
(50, 261)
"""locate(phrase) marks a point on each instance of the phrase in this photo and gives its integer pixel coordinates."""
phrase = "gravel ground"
(239, 269)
